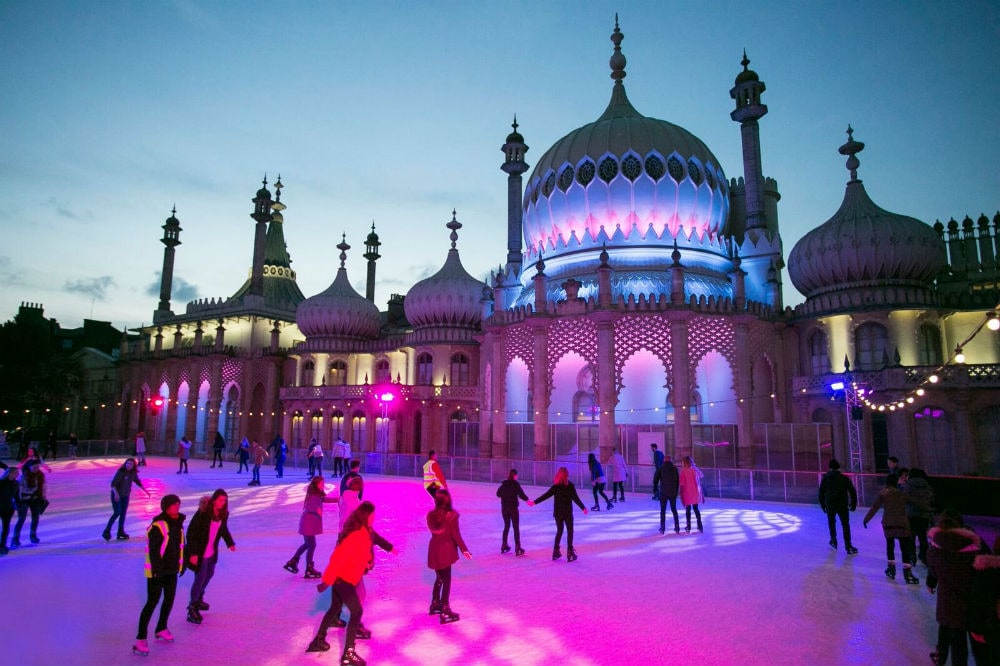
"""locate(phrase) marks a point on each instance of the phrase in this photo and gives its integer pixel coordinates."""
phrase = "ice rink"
(760, 586)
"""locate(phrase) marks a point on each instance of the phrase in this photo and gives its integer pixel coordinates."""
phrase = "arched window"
(871, 346)
(819, 357)
(459, 370)
(934, 442)
(584, 407)
(338, 373)
(382, 373)
(425, 369)
(308, 373)
(929, 345)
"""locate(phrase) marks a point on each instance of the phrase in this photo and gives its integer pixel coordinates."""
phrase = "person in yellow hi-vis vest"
(433, 476)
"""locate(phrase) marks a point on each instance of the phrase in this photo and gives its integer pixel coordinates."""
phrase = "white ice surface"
(761, 586)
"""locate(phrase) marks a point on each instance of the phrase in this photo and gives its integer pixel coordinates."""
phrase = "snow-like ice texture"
(760, 586)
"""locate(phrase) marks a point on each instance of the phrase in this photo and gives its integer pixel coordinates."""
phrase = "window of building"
(425, 369)
(383, 375)
(338, 373)
(819, 357)
(459, 370)
(929, 345)
(308, 373)
(871, 346)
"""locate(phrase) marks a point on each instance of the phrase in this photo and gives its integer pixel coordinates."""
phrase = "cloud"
(8, 275)
(62, 210)
(181, 290)
(96, 288)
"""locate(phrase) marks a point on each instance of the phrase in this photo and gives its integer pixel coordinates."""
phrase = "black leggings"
(442, 586)
(343, 594)
(308, 547)
(154, 586)
(217, 457)
(616, 487)
(697, 514)
(905, 548)
(599, 488)
(512, 517)
(567, 522)
(35, 508)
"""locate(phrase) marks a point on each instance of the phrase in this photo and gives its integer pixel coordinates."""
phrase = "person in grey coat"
(617, 474)
(896, 527)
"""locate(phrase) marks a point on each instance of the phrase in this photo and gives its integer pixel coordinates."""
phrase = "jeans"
(5, 519)
(206, 569)
(256, 473)
(656, 483)
(442, 586)
(217, 457)
(183, 467)
(167, 585)
(512, 517)
(118, 511)
(338, 466)
(905, 548)
(845, 523)
(919, 528)
(35, 506)
(343, 594)
(957, 641)
(567, 522)
(308, 547)
(244, 463)
(672, 501)
(279, 466)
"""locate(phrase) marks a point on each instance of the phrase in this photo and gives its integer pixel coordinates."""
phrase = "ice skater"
(8, 502)
(183, 454)
(509, 492)
(837, 496)
(257, 454)
(690, 487)
(30, 499)
(433, 476)
(617, 474)
(564, 494)
(316, 458)
(951, 574)
(164, 563)
(598, 482)
(339, 453)
(895, 527)
(667, 494)
(919, 509)
(140, 448)
(244, 456)
(280, 454)
(201, 553)
(442, 552)
(348, 563)
(350, 499)
(345, 480)
(121, 487)
(657, 466)
(217, 449)
(311, 525)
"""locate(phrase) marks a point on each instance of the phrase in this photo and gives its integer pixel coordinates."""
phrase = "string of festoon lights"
(990, 321)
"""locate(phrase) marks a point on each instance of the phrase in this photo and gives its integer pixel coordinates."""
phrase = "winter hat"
(168, 501)
(834, 464)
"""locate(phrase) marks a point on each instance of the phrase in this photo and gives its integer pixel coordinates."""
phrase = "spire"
(514, 166)
(749, 110)
(454, 225)
(261, 215)
(171, 239)
(343, 247)
(617, 58)
(851, 149)
(371, 254)
(619, 106)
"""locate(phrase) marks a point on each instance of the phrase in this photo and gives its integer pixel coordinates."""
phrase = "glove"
(321, 588)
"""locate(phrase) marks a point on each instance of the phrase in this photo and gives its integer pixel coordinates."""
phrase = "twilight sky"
(394, 112)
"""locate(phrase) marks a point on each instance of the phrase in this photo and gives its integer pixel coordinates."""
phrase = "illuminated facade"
(640, 301)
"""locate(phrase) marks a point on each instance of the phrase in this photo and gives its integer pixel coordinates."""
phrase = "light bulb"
(993, 323)
(933, 379)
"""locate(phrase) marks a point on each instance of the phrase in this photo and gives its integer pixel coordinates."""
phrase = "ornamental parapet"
(981, 375)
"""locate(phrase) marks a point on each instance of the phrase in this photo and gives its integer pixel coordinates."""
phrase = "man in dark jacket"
(837, 496)
(669, 484)
(950, 572)
(657, 466)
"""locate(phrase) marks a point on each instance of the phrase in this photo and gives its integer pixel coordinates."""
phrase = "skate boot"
(202, 606)
(556, 553)
(890, 571)
(833, 544)
(318, 644)
(141, 648)
(122, 536)
(165, 636)
(519, 552)
(34, 538)
(571, 555)
(194, 615)
(909, 577)
(609, 507)
(851, 550)
(596, 507)
(311, 572)
(351, 658)
(448, 615)
(435, 608)
(504, 549)
(106, 535)
(291, 566)
(363, 633)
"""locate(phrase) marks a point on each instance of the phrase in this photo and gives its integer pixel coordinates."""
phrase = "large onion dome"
(449, 298)
(865, 248)
(339, 311)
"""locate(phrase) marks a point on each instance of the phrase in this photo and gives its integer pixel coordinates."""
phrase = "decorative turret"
(514, 166)
(171, 239)
(749, 110)
(371, 254)
(261, 215)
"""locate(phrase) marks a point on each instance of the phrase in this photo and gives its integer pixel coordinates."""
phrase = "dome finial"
(617, 58)
(343, 247)
(277, 188)
(454, 225)
(851, 149)
(746, 61)
(514, 124)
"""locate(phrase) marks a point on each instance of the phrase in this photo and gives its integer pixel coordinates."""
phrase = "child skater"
(258, 454)
(442, 552)
(508, 492)
(348, 563)
(598, 481)
(311, 525)
(565, 497)
(164, 563)
(895, 527)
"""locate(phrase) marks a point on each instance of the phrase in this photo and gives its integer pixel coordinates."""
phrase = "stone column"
(680, 394)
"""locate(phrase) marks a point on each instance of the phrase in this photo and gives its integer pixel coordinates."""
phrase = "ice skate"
(194, 615)
(34, 538)
(596, 507)
(165, 636)
(291, 566)
(504, 549)
(571, 555)
(519, 552)
(363, 633)
(556, 553)
(15, 543)
(833, 544)
(448, 615)
(351, 658)
(201, 605)
(318, 645)
(890, 571)
(311, 572)
(610, 506)
(141, 648)
(122, 536)
(435, 608)
(909, 577)
(106, 535)
(663, 531)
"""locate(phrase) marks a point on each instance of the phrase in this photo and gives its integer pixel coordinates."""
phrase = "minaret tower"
(749, 110)
(514, 166)
(372, 255)
(171, 239)
(261, 215)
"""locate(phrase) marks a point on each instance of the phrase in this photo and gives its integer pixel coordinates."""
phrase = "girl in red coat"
(348, 563)
(446, 541)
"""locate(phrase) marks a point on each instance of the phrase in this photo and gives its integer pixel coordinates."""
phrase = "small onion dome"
(863, 245)
(451, 297)
(339, 311)
(747, 74)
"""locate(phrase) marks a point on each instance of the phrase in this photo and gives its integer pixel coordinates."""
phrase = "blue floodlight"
(837, 386)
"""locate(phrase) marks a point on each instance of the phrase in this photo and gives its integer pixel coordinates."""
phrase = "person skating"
(951, 575)
(315, 459)
(280, 453)
(339, 453)
(121, 487)
(257, 455)
(311, 525)
(668, 489)
(565, 496)
(8, 502)
(442, 552)
(597, 482)
(30, 499)
(355, 466)
(140, 448)
(243, 453)
(617, 475)
(218, 447)
(895, 527)
(837, 496)
(509, 492)
(201, 553)
(164, 563)
(348, 563)
(183, 454)
(433, 475)
(690, 489)
(919, 509)
(657, 466)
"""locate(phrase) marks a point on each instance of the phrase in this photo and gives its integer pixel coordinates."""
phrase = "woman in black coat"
(509, 492)
(201, 550)
(950, 574)
(565, 496)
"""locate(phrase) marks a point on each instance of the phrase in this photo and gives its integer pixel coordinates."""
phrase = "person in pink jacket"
(691, 491)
